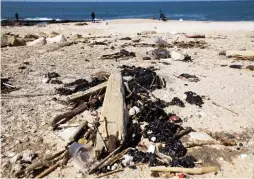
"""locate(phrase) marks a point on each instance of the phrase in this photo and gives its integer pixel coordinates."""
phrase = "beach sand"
(26, 120)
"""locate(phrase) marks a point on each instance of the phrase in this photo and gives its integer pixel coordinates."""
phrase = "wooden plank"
(85, 95)
(238, 53)
(114, 116)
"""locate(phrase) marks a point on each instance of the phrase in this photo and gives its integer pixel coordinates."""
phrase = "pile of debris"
(130, 114)
(6, 86)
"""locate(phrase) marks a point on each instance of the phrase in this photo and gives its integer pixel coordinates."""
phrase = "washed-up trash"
(174, 118)
(176, 55)
(200, 136)
(81, 155)
(188, 77)
(160, 41)
(159, 53)
(122, 53)
(193, 98)
(6, 86)
(235, 66)
(177, 101)
(127, 160)
(79, 85)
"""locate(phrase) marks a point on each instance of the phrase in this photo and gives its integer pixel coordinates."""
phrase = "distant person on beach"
(17, 16)
(93, 17)
(162, 16)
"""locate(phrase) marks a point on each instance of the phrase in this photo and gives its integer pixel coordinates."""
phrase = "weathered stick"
(195, 36)
(195, 171)
(112, 160)
(94, 168)
(49, 170)
(183, 132)
(86, 94)
(224, 108)
(110, 173)
(69, 114)
(195, 144)
(83, 126)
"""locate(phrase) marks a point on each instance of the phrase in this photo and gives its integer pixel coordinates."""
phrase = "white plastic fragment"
(127, 160)
(151, 149)
(202, 136)
(153, 139)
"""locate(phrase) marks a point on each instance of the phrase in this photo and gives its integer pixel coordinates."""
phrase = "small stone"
(222, 52)
(28, 156)
(146, 58)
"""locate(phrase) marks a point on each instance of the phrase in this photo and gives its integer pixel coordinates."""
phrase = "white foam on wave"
(38, 19)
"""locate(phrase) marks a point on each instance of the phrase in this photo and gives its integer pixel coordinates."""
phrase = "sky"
(108, 0)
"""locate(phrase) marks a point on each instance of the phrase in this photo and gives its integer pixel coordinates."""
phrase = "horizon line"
(123, 1)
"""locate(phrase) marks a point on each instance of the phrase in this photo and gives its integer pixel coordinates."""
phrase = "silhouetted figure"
(17, 16)
(162, 16)
(93, 17)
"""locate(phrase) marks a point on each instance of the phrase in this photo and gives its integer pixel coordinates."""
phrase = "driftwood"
(70, 114)
(114, 115)
(114, 159)
(46, 162)
(49, 170)
(241, 55)
(224, 108)
(199, 143)
(74, 137)
(195, 171)
(195, 36)
(109, 173)
(86, 94)
(95, 167)
(183, 132)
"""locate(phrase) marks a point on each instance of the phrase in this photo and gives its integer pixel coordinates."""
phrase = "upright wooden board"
(114, 116)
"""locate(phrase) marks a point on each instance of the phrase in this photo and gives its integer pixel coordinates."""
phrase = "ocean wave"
(38, 19)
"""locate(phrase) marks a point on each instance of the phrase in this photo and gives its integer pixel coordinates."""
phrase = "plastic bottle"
(81, 155)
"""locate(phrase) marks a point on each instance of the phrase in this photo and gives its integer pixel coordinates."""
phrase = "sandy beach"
(229, 93)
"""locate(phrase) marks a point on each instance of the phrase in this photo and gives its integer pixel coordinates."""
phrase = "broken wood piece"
(199, 143)
(85, 95)
(195, 171)
(114, 159)
(68, 115)
(49, 170)
(82, 127)
(114, 115)
(183, 132)
(109, 173)
(195, 36)
(224, 108)
(240, 54)
(95, 167)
